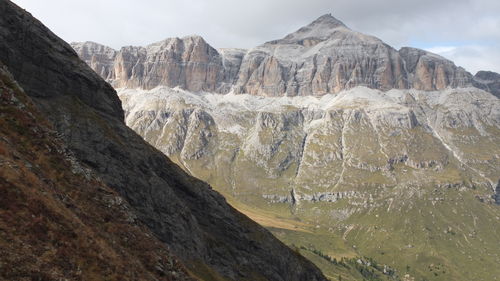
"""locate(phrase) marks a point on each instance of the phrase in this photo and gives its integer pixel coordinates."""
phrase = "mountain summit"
(321, 28)
(327, 20)
(322, 57)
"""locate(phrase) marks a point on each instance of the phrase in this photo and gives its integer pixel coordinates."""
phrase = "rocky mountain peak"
(327, 20)
(322, 28)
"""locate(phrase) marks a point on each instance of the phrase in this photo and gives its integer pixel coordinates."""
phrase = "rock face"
(488, 81)
(322, 57)
(328, 57)
(59, 221)
(100, 58)
(427, 71)
(316, 146)
(212, 239)
(189, 63)
(362, 159)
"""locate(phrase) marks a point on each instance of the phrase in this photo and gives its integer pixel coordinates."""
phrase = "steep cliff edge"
(210, 237)
(188, 62)
(328, 57)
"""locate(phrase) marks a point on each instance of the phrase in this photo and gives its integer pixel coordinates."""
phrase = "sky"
(465, 31)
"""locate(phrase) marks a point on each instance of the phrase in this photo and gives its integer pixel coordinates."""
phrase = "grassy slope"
(305, 238)
(448, 235)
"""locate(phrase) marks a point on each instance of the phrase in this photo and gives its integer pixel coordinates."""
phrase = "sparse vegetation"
(55, 222)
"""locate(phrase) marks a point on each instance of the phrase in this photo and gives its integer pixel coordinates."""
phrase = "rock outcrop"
(211, 238)
(188, 62)
(428, 71)
(328, 57)
(317, 146)
(100, 58)
(488, 81)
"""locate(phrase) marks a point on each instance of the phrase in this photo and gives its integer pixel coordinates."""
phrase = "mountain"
(322, 57)
(340, 145)
(189, 63)
(328, 57)
(212, 239)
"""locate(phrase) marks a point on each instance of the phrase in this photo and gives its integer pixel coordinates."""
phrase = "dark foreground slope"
(57, 222)
(210, 237)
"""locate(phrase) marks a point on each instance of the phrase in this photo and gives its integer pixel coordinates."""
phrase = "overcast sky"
(465, 31)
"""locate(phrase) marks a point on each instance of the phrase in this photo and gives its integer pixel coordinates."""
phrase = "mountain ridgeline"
(322, 57)
(339, 144)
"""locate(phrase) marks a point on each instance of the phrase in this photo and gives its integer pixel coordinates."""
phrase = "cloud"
(473, 58)
(244, 23)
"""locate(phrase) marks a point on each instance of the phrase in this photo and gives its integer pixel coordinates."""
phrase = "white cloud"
(440, 50)
(472, 57)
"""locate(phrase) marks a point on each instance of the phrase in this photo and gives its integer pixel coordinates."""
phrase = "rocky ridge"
(488, 81)
(211, 238)
(187, 62)
(322, 57)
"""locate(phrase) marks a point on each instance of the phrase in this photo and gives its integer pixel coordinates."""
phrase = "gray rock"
(328, 57)
(188, 62)
(322, 57)
(428, 71)
(358, 138)
(99, 57)
(488, 81)
(496, 196)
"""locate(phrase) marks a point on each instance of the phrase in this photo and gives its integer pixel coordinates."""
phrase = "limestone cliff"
(328, 57)
(323, 57)
(188, 62)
